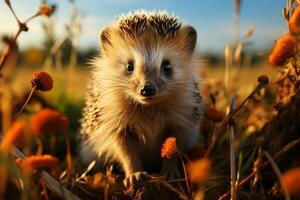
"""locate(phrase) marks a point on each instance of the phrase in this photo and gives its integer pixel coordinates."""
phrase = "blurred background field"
(76, 24)
(69, 38)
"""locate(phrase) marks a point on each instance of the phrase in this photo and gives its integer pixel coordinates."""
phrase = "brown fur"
(118, 123)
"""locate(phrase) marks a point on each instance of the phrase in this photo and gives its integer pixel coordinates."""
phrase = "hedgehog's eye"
(129, 67)
(166, 67)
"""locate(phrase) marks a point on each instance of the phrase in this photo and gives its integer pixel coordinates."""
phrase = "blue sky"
(213, 19)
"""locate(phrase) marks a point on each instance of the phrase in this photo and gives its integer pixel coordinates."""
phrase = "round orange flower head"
(263, 80)
(199, 170)
(169, 147)
(284, 49)
(48, 121)
(46, 10)
(38, 162)
(291, 181)
(13, 136)
(294, 21)
(42, 81)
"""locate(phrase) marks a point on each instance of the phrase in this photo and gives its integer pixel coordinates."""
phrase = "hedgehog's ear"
(105, 39)
(190, 38)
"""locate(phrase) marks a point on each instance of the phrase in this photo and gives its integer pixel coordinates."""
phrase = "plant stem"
(39, 145)
(69, 155)
(13, 12)
(185, 174)
(27, 101)
(13, 41)
(225, 122)
(277, 172)
(232, 163)
(44, 188)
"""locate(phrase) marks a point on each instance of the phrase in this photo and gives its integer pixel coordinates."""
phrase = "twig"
(171, 188)
(27, 101)
(12, 43)
(181, 156)
(39, 146)
(12, 11)
(232, 152)
(69, 153)
(185, 175)
(286, 148)
(225, 122)
(232, 163)
(160, 180)
(44, 189)
(176, 180)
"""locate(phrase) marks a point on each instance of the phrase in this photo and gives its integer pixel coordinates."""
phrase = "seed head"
(169, 147)
(284, 49)
(13, 136)
(38, 162)
(42, 81)
(46, 10)
(48, 121)
(23, 27)
(294, 22)
(199, 170)
(263, 80)
(291, 181)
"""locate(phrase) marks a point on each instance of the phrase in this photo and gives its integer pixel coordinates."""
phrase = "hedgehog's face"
(150, 69)
(153, 73)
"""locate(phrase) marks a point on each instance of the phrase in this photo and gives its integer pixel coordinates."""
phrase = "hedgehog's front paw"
(135, 178)
(170, 168)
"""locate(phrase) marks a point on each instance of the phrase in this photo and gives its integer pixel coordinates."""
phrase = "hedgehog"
(143, 89)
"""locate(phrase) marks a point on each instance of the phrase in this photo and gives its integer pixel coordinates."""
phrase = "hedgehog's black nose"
(148, 89)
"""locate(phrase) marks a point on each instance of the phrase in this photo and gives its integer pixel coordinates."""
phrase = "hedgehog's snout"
(148, 89)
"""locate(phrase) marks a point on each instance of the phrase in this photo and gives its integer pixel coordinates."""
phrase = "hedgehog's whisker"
(117, 79)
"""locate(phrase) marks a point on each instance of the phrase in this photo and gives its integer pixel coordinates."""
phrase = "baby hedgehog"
(143, 90)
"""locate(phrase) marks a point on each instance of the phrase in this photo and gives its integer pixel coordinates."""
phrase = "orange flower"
(46, 10)
(199, 170)
(42, 81)
(13, 136)
(48, 121)
(169, 147)
(291, 181)
(294, 22)
(213, 115)
(284, 49)
(40, 162)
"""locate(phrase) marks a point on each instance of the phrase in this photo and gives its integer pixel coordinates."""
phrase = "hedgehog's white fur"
(116, 126)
